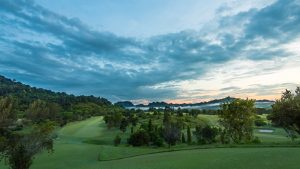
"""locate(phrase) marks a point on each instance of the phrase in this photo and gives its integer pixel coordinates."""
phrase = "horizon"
(145, 51)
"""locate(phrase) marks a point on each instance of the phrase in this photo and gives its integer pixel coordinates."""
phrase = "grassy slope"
(72, 151)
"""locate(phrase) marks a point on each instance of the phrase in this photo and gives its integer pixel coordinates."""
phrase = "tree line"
(237, 120)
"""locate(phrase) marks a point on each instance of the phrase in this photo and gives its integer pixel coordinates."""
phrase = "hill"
(27, 94)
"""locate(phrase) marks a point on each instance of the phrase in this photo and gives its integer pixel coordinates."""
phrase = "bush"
(259, 121)
(139, 138)
(256, 140)
(156, 139)
(206, 134)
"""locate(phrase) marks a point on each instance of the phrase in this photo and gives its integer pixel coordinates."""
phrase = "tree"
(40, 111)
(206, 134)
(189, 135)
(286, 112)
(259, 121)
(167, 117)
(155, 138)
(171, 134)
(237, 118)
(20, 149)
(150, 125)
(7, 118)
(139, 138)
(7, 112)
(123, 125)
(183, 138)
(117, 140)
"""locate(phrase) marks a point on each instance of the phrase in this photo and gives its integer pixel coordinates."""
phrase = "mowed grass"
(221, 158)
(80, 145)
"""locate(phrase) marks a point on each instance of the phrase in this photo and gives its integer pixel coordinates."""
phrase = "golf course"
(88, 144)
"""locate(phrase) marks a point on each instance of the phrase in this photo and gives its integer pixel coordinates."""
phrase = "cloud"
(46, 49)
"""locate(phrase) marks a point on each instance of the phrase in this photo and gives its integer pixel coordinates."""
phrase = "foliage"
(27, 95)
(7, 111)
(183, 138)
(189, 135)
(259, 121)
(237, 118)
(113, 119)
(123, 125)
(171, 134)
(286, 112)
(206, 134)
(22, 148)
(40, 111)
(19, 148)
(139, 138)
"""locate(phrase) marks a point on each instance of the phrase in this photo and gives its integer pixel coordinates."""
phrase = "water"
(266, 131)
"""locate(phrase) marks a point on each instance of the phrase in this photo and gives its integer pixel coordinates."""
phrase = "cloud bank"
(45, 49)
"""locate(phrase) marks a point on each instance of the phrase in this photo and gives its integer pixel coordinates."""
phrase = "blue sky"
(153, 50)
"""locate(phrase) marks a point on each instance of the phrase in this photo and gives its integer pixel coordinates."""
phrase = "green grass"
(222, 158)
(211, 119)
(80, 145)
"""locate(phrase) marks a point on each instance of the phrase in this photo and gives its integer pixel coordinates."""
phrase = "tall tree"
(183, 138)
(40, 111)
(21, 149)
(123, 125)
(171, 134)
(237, 119)
(189, 135)
(286, 112)
(150, 126)
(7, 111)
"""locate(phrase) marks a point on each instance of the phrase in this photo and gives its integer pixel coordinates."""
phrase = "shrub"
(139, 138)
(259, 121)
(256, 140)
(206, 134)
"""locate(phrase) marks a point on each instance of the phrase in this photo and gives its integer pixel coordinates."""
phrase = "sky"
(153, 50)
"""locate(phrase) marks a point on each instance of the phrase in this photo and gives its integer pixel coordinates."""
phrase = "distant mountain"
(125, 104)
(164, 104)
(213, 104)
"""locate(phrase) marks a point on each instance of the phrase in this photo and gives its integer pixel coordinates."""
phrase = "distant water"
(266, 131)
(213, 106)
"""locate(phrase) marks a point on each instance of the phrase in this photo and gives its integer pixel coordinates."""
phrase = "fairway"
(225, 158)
(81, 144)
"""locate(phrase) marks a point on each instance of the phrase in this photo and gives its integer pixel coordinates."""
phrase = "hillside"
(27, 94)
